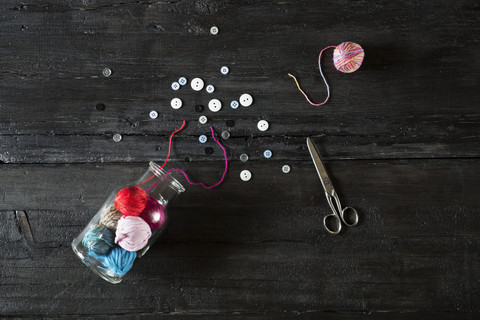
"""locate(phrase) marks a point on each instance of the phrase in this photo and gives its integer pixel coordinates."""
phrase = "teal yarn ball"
(118, 261)
(99, 240)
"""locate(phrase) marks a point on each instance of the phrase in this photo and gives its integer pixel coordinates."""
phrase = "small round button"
(100, 107)
(245, 175)
(176, 103)
(210, 88)
(214, 30)
(224, 70)
(234, 104)
(202, 119)
(153, 114)
(244, 157)
(214, 105)
(182, 81)
(230, 123)
(175, 86)
(117, 137)
(208, 150)
(262, 125)
(197, 84)
(246, 100)
(199, 108)
(267, 154)
(225, 135)
(107, 72)
(286, 168)
(202, 138)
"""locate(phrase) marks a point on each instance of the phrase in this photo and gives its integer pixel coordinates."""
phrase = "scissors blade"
(322, 173)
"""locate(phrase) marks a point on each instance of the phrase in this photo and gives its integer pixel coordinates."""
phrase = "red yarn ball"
(131, 201)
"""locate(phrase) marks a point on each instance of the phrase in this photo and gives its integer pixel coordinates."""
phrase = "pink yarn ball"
(154, 214)
(132, 233)
(348, 57)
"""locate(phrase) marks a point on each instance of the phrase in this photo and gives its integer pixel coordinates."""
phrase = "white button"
(244, 157)
(214, 105)
(176, 103)
(175, 86)
(214, 30)
(246, 100)
(234, 104)
(202, 119)
(197, 84)
(182, 81)
(245, 175)
(117, 137)
(107, 72)
(202, 138)
(225, 135)
(210, 88)
(267, 154)
(262, 125)
(286, 168)
(224, 70)
(153, 114)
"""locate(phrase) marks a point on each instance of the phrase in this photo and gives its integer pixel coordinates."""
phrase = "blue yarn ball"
(118, 261)
(99, 240)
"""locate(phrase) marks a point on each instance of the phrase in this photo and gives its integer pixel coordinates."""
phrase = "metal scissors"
(338, 213)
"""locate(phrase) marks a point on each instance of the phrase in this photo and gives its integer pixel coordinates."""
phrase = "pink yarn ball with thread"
(154, 214)
(132, 233)
(348, 57)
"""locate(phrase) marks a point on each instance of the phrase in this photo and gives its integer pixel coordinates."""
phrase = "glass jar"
(111, 241)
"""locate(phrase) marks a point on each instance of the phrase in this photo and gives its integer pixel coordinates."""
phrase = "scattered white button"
(202, 138)
(244, 157)
(286, 168)
(267, 154)
(210, 88)
(202, 119)
(117, 137)
(182, 81)
(214, 30)
(246, 100)
(107, 72)
(197, 84)
(224, 70)
(234, 104)
(245, 175)
(175, 86)
(214, 105)
(262, 125)
(176, 103)
(153, 114)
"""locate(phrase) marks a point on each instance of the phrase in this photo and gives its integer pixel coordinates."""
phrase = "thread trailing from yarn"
(200, 183)
(118, 261)
(347, 58)
(132, 233)
(154, 214)
(109, 217)
(131, 201)
(99, 240)
(168, 155)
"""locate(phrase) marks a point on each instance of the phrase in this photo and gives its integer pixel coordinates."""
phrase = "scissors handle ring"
(338, 223)
(353, 214)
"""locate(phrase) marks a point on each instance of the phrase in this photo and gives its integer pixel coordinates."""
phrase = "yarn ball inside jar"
(154, 214)
(132, 233)
(99, 240)
(348, 57)
(118, 261)
(131, 201)
(109, 217)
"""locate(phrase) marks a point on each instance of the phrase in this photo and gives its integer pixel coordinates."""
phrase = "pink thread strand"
(323, 77)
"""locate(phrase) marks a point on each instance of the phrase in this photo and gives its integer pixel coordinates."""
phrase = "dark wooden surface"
(400, 138)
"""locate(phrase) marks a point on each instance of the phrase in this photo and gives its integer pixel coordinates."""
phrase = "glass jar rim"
(160, 173)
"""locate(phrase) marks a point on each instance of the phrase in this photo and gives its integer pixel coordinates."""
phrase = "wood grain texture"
(400, 138)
